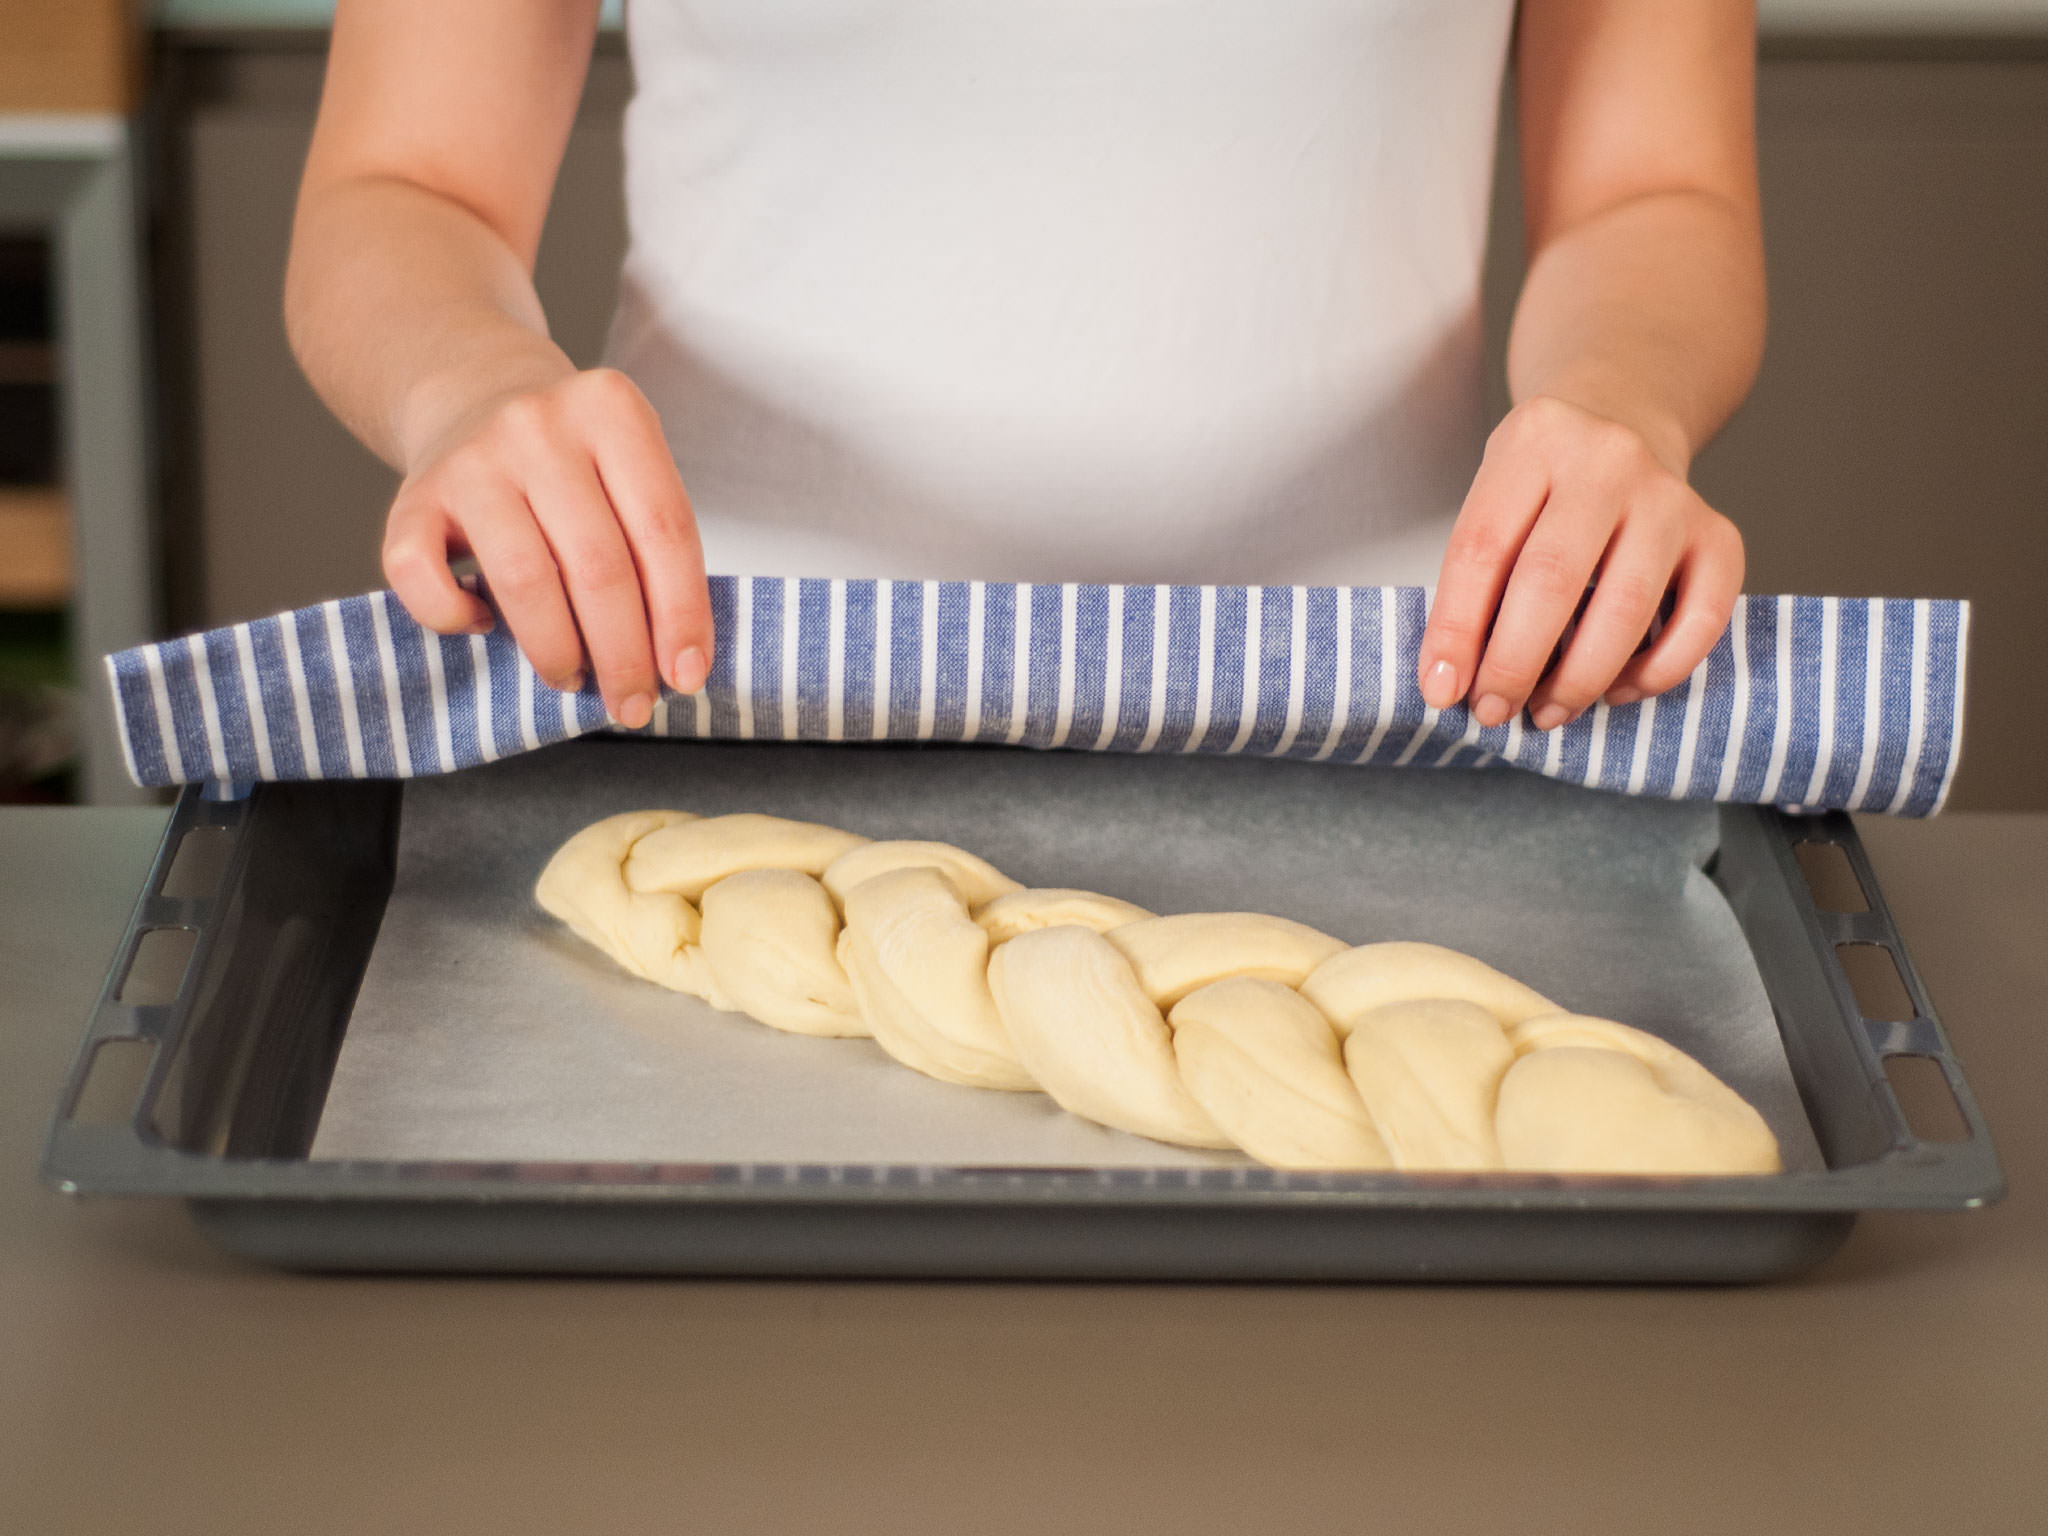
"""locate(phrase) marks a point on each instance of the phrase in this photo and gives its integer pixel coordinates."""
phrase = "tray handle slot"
(112, 1083)
(1918, 1079)
(200, 864)
(1926, 1098)
(1880, 992)
(1830, 876)
(282, 944)
(157, 965)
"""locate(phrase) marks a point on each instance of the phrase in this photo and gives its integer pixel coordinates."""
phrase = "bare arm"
(410, 304)
(1640, 329)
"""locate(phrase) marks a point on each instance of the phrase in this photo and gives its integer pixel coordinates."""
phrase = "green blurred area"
(37, 710)
(34, 649)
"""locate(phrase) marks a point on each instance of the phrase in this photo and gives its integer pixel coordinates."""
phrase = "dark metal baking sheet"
(235, 1069)
(484, 1031)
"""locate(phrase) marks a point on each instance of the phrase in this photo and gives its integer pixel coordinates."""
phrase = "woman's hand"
(566, 495)
(1639, 329)
(410, 303)
(1564, 497)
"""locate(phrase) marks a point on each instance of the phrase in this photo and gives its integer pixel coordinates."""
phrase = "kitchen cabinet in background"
(78, 560)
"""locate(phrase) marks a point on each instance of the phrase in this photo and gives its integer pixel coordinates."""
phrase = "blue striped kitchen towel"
(1806, 702)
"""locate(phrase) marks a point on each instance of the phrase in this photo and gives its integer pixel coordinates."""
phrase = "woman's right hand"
(564, 492)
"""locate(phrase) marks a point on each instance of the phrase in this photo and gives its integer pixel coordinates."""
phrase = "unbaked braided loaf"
(1206, 1029)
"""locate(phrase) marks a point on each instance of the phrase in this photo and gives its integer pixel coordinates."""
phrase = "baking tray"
(232, 1063)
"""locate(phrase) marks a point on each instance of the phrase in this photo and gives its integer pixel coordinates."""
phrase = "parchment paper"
(484, 1031)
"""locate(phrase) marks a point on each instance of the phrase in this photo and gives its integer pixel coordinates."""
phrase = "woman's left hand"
(1564, 493)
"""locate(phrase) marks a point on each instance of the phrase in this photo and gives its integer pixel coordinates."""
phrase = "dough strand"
(919, 966)
(1092, 1038)
(1267, 1066)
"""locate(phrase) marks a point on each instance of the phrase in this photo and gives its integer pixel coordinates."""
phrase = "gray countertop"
(147, 1382)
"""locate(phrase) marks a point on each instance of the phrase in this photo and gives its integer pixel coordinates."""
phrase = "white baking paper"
(484, 1031)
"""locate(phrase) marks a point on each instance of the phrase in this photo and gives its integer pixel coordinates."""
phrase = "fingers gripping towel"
(1806, 702)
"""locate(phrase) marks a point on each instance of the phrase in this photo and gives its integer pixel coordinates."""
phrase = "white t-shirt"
(1093, 290)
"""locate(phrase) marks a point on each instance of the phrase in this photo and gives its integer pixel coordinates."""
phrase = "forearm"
(410, 304)
(1639, 331)
(409, 313)
(1650, 313)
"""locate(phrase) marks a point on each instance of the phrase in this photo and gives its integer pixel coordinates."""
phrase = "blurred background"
(163, 466)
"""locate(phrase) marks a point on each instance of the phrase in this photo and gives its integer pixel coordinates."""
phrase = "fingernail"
(1491, 709)
(573, 683)
(690, 670)
(1616, 697)
(480, 627)
(1550, 717)
(637, 711)
(1440, 685)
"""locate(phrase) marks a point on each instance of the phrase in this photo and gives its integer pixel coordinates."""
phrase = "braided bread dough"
(651, 934)
(1207, 1029)
(1091, 1037)
(1028, 911)
(689, 857)
(1172, 956)
(1266, 1065)
(1591, 1095)
(919, 967)
(769, 938)
(977, 881)
(1350, 985)
(1429, 1070)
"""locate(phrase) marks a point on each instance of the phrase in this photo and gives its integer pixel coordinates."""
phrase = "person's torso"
(1063, 289)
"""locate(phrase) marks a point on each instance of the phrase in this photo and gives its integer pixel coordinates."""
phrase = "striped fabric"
(1806, 702)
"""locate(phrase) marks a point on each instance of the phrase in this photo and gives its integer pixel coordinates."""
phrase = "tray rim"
(129, 1159)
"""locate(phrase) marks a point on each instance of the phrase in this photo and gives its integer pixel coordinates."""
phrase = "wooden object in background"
(27, 362)
(69, 56)
(35, 548)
